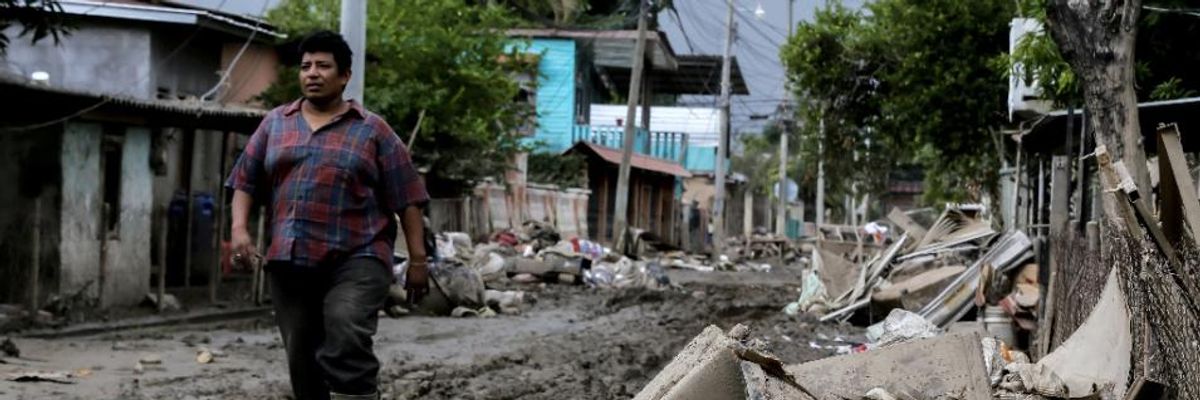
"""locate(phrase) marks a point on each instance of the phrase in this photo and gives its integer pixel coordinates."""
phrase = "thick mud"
(573, 343)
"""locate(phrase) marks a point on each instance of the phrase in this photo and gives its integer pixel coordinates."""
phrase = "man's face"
(320, 76)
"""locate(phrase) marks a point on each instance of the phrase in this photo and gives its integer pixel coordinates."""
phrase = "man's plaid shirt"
(334, 192)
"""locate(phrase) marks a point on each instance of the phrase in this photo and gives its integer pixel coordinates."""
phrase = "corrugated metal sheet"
(637, 161)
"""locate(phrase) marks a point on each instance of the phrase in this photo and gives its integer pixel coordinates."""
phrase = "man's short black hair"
(328, 42)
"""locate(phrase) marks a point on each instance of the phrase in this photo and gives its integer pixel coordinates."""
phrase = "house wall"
(189, 71)
(79, 247)
(135, 60)
(253, 73)
(127, 264)
(555, 91)
(29, 165)
(98, 57)
(701, 158)
(699, 189)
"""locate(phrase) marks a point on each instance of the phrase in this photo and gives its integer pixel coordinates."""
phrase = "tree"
(444, 63)
(905, 82)
(39, 19)
(1112, 54)
(1165, 67)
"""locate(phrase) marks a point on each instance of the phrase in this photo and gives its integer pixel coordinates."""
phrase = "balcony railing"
(665, 145)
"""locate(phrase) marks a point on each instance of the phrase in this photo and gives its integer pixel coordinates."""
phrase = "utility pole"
(821, 171)
(781, 216)
(354, 30)
(718, 211)
(635, 86)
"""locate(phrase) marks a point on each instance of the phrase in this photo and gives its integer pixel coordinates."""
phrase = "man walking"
(335, 176)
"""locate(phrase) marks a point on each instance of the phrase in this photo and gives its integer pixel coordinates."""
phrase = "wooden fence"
(493, 207)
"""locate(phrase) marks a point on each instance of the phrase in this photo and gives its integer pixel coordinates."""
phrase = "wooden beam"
(1128, 190)
(1060, 187)
(1171, 158)
(912, 228)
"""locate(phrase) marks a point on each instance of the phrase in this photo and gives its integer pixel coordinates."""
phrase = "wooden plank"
(1172, 150)
(1170, 207)
(1145, 217)
(912, 228)
(1060, 187)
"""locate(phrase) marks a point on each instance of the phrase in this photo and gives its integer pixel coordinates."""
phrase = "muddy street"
(573, 343)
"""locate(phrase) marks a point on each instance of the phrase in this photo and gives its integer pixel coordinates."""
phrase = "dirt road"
(574, 343)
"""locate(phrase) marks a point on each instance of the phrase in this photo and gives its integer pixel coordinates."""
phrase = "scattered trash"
(204, 356)
(10, 349)
(40, 376)
(169, 303)
(878, 394)
(900, 326)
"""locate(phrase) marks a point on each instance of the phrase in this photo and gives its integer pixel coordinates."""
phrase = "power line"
(754, 26)
(675, 13)
(109, 98)
(233, 63)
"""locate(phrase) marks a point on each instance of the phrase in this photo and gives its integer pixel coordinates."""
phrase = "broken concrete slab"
(952, 363)
(706, 368)
(720, 366)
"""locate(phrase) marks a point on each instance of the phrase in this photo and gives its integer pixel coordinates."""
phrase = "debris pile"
(940, 273)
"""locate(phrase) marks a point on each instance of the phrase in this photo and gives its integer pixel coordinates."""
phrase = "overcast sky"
(699, 28)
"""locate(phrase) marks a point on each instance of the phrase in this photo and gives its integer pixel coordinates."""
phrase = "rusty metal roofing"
(48, 103)
(639, 161)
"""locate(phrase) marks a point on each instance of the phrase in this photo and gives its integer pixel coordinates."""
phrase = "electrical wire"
(238, 56)
(675, 14)
(109, 98)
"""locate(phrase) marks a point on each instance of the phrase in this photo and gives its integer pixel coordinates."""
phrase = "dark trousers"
(327, 315)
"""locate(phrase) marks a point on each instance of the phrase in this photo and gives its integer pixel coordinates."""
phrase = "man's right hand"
(242, 246)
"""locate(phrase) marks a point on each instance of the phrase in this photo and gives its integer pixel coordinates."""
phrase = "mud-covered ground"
(573, 343)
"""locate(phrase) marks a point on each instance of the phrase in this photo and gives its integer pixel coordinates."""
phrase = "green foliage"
(1171, 89)
(439, 57)
(38, 19)
(759, 160)
(567, 171)
(905, 82)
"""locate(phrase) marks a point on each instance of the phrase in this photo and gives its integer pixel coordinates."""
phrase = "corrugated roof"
(69, 104)
(638, 161)
(612, 48)
(170, 15)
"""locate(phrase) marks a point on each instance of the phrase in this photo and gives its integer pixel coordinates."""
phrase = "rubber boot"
(338, 396)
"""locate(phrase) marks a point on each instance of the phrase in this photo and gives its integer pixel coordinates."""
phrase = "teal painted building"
(555, 91)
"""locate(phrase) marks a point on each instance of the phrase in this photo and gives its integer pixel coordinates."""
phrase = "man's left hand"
(416, 280)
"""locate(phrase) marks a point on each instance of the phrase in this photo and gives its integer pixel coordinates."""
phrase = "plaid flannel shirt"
(334, 192)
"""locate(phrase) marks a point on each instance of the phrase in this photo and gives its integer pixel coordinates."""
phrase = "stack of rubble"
(465, 276)
(909, 357)
(940, 273)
